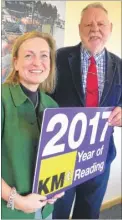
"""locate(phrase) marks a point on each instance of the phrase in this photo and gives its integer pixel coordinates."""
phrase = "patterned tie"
(47, 210)
(92, 94)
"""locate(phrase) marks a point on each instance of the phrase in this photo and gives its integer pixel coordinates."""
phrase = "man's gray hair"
(94, 5)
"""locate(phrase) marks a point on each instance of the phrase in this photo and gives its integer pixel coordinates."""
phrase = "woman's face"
(33, 62)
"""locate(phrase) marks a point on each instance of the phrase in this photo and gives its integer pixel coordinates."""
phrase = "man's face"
(94, 29)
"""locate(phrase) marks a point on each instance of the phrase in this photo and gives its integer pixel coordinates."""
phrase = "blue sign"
(72, 148)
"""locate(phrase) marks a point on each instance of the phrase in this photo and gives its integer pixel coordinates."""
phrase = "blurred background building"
(19, 17)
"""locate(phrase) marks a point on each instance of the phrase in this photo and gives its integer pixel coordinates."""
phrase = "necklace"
(37, 100)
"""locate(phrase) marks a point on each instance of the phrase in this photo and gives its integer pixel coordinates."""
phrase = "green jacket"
(20, 136)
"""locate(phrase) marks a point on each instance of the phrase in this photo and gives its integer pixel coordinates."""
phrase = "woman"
(23, 102)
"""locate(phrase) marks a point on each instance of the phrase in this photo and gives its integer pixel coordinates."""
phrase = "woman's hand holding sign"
(54, 199)
(30, 203)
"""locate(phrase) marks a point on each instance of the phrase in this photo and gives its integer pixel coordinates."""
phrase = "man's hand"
(115, 118)
(57, 196)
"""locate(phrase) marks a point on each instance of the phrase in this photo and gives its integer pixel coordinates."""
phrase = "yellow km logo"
(58, 175)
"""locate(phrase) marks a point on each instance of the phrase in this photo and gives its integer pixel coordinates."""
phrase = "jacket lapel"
(75, 66)
(74, 62)
(109, 77)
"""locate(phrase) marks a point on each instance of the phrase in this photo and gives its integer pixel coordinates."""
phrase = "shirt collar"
(85, 55)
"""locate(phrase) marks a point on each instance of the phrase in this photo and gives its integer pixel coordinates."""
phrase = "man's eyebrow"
(101, 21)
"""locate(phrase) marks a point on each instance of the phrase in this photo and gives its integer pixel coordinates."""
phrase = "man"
(72, 90)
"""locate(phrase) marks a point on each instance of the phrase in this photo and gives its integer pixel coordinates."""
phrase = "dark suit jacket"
(69, 89)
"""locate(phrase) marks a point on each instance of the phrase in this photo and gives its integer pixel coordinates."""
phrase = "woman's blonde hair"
(13, 78)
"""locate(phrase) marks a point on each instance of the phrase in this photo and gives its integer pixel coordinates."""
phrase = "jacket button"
(33, 122)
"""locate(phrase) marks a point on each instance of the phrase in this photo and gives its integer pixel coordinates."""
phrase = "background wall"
(72, 18)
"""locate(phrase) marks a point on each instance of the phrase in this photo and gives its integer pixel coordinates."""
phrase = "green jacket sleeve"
(2, 119)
